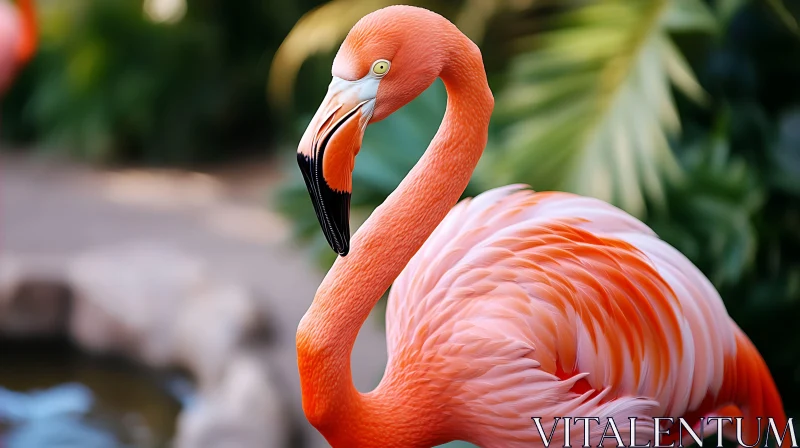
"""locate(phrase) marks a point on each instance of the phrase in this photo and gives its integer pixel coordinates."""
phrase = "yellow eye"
(380, 67)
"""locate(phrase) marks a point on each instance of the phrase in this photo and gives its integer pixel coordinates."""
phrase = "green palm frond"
(783, 14)
(588, 107)
(711, 215)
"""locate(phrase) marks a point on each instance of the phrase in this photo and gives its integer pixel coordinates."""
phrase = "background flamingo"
(18, 37)
(511, 305)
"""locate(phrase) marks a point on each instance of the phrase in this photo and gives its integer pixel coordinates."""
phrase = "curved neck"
(28, 42)
(380, 250)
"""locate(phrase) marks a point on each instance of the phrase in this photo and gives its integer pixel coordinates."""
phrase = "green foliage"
(710, 214)
(737, 212)
(109, 84)
(588, 107)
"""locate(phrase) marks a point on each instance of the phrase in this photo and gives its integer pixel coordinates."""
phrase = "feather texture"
(526, 304)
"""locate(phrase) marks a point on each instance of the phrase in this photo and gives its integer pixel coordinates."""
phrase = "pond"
(54, 395)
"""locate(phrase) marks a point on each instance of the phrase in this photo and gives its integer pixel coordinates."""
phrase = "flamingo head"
(388, 58)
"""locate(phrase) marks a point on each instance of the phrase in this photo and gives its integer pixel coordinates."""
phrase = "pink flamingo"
(18, 38)
(511, 305)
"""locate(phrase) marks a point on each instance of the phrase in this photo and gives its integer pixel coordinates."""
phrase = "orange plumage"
(508, 306)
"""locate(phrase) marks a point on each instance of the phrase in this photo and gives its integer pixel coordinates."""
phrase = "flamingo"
(18, 38)
(506, 307)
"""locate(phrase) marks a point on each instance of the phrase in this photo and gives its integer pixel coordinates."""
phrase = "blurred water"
(54, 396)
(70, 398)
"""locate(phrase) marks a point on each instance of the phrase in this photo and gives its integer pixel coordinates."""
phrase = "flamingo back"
(525, 304)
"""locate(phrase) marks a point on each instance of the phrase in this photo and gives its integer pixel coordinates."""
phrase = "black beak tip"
(338, 240)
(331, 207)
(342, 248)
(343, 251)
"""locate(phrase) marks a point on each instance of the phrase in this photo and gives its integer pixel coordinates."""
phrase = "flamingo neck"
(396, 413)
(27, 44)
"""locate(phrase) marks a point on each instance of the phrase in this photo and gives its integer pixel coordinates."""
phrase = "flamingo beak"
(327, 151)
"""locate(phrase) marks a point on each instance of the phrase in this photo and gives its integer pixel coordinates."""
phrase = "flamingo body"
(504, 307)
(552, 304)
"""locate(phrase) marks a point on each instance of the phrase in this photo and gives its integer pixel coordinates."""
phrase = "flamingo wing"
(528, 304)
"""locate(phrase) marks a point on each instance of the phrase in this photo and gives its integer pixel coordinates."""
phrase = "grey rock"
(128, 298)
(166, 308)
(34, 298)
(243, 411)
(213, 324)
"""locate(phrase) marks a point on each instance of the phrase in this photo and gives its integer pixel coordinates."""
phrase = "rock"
(161, 306)
(242, 411)
(213, 323)
(34, 298)
(165, 308)
(96, 329)
(10, 274)
(128, 299)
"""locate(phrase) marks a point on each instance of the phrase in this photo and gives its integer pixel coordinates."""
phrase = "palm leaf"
(710, 217)
(588, 107)
(785, 16)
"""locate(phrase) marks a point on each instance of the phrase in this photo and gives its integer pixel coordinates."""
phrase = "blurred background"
(158, 246)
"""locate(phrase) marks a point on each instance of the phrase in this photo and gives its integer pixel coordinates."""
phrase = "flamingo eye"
(380, 67)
